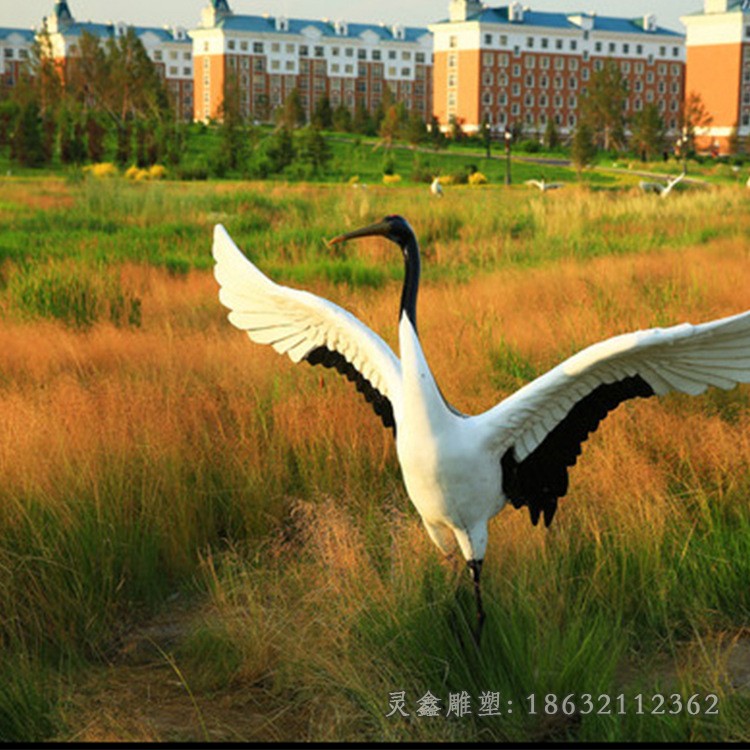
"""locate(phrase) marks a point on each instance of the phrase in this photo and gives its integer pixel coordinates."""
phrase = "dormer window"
(282, 24)
(342, 28)
(399, 32)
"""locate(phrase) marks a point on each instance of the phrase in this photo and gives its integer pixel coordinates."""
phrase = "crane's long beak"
(381, 228)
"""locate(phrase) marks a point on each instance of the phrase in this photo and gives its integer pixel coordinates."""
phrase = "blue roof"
(27, 34)
(267, 24)
(562, 21)
(107, 30)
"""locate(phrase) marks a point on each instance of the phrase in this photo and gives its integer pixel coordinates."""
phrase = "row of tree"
(109, 91)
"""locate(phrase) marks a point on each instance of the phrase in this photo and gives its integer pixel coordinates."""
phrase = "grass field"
(200, 541)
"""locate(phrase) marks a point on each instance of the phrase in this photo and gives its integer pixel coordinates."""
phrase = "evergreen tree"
(363, 123)
(323, 116)
(313, 150)
(71, 136)
(28, 137)
(551, 136)
(647, 132)
(281, 151)
(390, 126)
(293, 113)
(416, 130)
(583, 148)
(342, 119)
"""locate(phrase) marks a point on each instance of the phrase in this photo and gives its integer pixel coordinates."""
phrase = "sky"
(186, 13)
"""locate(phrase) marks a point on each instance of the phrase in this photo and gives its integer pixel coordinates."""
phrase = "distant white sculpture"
(436, 188)
(544, 186)
(659, 188)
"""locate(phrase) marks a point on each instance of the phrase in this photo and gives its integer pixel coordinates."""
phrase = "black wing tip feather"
(542, 477)
(381, 404)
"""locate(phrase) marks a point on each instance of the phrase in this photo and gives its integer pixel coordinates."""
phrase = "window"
(544, 82)
(573, 44)
(558, 43)
(638, 49)
(453, 42)
(243, 46)
(319, 52)
(172, 55)
(503, 60)
(544, 62)
(573, 63)
(625, 49)
(529, 81)
(487, 59)
(230, 45)
(530, 42)
(559, 63)
(186, 55)
(516, 70)
(662, 51)
(275, 65)
(503, 40)
(335, 51)
(502, 79)
(530, 61)
(675, 51)
(516, 90)
(502, 98)
(639, 68)
(419, 57)
(349, 52)
(625, 67)
(157, 55)
(452, 61)
(258, 48)
(376, 54)
(598, 47)
(391, 54)
(173, 70)
(543, 101)
(545, 42)
(585, 74)
(528, 100)
(275, 47)
(361, 54)
(187, 71)
(406, 55)
(573, 83)
(488, 39)
(612, 47)
(675, 70)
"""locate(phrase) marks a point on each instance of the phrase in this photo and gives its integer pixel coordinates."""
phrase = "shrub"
(102, 170)
(391, 179)
(477, 179)
(157, 172)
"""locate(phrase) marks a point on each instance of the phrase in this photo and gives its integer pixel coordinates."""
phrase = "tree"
(693, 116)
(313, 149)
(71, 136)
(292, 113)
(280, 149)
(234, 141)
(551, 136)
(342, 119)
(603, 105)
(583, 148)
(647, 132)
(323, 115)
(28, 147)
(390, 126)
(416, 130)
(363, 123)
(457, 132)
(436, 134)
(95, 133)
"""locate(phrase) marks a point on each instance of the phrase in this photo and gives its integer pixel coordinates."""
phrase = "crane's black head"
(395, 228)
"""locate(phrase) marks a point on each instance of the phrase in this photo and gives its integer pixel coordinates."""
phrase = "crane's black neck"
(412, 268)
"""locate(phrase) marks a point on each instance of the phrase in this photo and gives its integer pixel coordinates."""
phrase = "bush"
(529, 146)
(391, 179)
(477, 179)
(102, 170)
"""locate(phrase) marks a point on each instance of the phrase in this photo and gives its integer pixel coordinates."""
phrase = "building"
(170, 49)
(16, 46)
(268, 57)
(718, 39)
(516, 67)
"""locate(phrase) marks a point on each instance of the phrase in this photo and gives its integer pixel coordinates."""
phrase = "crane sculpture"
(461, 470)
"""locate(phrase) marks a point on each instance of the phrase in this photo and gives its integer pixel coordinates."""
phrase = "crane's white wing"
(538, 431)
(307, 327)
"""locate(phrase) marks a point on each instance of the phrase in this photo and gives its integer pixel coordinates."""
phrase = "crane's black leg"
(475, 569)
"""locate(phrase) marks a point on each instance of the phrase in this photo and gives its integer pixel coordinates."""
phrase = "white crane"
(659, 188)
(436, 188)
(543, 185)
(461, 470)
